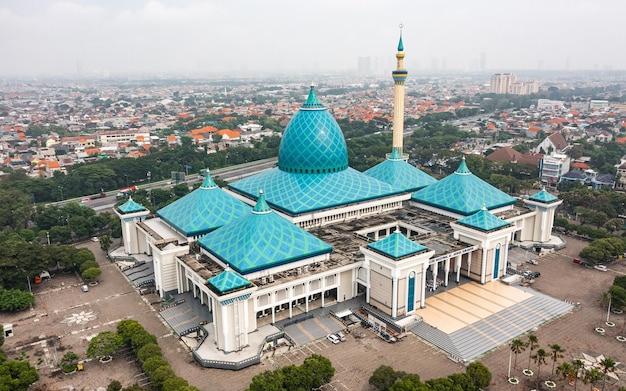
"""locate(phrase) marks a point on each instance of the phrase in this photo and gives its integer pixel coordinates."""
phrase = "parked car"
(602, 268)
(531, 275)
(85, 200)
(342, 336)
(333, 338)
(578, 261)
(532, 261)
(84, 288)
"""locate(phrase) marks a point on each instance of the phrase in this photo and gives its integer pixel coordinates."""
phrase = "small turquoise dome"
(313, 142)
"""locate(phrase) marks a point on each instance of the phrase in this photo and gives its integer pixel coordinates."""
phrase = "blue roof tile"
(397, 246)
(543, 196)
(300, 193)
(400, 175)
(130, 206)
(203, 210)
(484, 221)
(228, 281)
(261, 240)
(462, 192)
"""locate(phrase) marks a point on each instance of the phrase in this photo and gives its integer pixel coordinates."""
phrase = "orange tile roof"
(54, 164)
(230, 133)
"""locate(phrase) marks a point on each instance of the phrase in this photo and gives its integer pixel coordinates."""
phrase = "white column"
(423, 288)
(446, 270)
(435, 273)
(483, 267)
(457, 267)
(394, 294)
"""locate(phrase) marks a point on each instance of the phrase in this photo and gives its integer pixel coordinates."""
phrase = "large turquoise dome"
(313, 142)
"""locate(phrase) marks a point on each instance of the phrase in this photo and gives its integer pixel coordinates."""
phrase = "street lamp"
(48, 236)
(608, 311)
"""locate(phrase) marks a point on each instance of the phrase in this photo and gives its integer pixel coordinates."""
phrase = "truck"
(125, 192)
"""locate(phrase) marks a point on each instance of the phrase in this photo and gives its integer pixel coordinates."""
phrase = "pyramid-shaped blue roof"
(484, 221)
(397, 246)
(227, 281)
(462, 192)
(130, 206)
(543, 196)
(203, 210)
(301, 193)
(261, 240)
(401, 175)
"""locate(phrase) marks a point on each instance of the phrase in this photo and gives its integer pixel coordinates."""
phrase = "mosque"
(313, 232)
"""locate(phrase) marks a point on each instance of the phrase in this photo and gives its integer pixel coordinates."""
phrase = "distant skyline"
(117, 37)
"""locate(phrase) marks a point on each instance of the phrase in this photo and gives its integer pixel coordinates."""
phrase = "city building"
(313, 232)
(507, 83)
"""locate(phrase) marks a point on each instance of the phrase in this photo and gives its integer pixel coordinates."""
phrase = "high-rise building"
(500, 83)
(365, 66)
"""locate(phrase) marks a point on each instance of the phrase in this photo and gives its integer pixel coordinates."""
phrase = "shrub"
(15, 299)
(104, 344)
(114, 386)
(69, 362)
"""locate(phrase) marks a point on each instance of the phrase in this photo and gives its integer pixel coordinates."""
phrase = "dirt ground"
(64, 318)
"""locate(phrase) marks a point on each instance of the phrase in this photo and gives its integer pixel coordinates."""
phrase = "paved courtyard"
(64, 318)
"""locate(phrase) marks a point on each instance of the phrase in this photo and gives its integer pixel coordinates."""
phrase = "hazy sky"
(216, 36)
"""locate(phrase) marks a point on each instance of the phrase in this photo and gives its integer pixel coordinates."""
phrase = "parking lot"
(65, 317)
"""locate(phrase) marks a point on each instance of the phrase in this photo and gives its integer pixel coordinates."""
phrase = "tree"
(320, 370)
(532, 344)
(142, 338)
(176, 383)
(517, 346)
(606, 365)
(565, 371)
(114, 386)
(12, 300)
(17, 375)
(540, 359)
(104, 345)
(69, 362)
(1, 336)
(127, 328)
(149, 350)
(578, 365)
(267, 381)
(592, 376)
(91, 273)
(556, 353)
(160, 375)
(479, 373)
(153, 363)
(105, 242)
(86, 265)
(383, 378)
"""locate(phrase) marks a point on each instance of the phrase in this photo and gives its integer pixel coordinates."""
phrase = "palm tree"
(578, 364)
(540, 359)
(607, 365)
(556, 354)
(592, 376)
(565, 370)
(517, 346)
(532, 344)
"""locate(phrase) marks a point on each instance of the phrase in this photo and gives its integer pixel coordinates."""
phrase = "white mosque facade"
(313, 232)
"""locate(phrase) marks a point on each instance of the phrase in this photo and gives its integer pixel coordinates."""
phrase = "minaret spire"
(399, 76)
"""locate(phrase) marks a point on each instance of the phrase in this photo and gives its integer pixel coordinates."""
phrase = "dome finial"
(400, 44)
(261, 206)
(311, 101)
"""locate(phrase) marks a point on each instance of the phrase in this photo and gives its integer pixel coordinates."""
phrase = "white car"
(342, 336)
(602, 268)
(333, 338)
(532, 261)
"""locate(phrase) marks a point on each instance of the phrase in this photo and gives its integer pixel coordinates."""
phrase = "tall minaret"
(399, 76)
